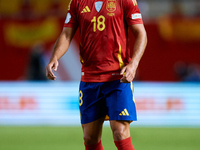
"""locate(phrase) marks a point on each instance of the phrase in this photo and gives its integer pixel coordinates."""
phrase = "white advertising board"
(56, 103)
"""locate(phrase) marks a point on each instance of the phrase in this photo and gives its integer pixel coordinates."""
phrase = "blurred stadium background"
(39, 114)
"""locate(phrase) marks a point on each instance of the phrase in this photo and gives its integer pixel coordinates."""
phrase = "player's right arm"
(60, 48)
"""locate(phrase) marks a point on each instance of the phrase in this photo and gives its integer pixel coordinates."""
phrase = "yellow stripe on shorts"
(132, 91)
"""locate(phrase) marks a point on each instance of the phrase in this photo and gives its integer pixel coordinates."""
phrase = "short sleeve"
(131, 12)
(71, 18)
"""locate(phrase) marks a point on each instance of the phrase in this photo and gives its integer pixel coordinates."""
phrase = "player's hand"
(128, 73)
(53, 64)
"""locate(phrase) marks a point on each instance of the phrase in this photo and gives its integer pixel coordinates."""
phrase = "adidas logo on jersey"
(124, 113)
(86, 9)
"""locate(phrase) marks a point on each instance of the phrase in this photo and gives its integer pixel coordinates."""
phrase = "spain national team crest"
(111, 5)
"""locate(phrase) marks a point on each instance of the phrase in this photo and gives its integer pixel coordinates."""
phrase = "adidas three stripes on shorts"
(113, 98)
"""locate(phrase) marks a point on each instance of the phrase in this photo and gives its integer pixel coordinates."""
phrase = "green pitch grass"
(70, 138)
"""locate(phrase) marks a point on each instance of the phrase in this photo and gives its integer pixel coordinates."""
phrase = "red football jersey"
(103, 30)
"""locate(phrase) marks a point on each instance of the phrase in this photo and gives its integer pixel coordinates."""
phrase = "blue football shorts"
(113, 99)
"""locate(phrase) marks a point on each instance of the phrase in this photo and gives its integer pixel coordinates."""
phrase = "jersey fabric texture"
(103, 31)
(113, 98)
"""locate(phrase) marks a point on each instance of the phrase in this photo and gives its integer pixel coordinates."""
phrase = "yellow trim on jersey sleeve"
(69, 5)
(134, 2)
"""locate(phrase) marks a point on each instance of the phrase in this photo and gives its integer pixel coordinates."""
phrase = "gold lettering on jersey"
(111, 14)
(111, 5)
(69, 5)
(134, 2)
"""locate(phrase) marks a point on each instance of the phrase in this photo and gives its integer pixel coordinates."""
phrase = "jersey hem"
(100, 78)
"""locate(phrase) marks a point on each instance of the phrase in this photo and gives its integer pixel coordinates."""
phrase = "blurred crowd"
(149, 8)
(187, 72)
(31, 9)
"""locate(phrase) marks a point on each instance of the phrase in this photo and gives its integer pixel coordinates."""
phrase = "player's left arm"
(129, 70)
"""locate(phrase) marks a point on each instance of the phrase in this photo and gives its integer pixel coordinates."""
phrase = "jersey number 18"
(98, 23)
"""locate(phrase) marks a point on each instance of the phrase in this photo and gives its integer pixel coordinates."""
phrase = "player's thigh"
(92, 103)
(120, 129)
(121, 103)
(92, 131)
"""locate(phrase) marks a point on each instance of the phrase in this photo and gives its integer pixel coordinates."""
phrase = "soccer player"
(106, 88)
